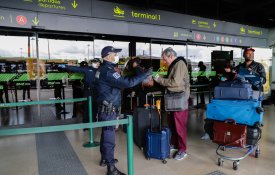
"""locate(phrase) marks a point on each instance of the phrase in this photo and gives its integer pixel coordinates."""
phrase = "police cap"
(107, 50)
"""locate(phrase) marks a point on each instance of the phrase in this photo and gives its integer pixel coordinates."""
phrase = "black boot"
(103, 162)
(112, 170)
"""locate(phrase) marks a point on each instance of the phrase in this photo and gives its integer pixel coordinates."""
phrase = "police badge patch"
(116, 75)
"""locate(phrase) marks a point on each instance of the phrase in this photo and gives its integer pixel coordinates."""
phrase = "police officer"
(89, 90)
(109, 84)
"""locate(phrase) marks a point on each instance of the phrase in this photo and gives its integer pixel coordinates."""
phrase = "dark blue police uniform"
(89, 88)
(109, 84)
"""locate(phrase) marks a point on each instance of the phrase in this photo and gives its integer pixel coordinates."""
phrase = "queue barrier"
(90, 125)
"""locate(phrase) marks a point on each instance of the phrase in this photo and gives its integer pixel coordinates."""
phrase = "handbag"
(175, 101)
(228, 133)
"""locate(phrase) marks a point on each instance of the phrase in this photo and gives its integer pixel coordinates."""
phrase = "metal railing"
(90, 125)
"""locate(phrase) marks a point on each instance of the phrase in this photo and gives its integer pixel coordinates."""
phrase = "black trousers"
(87, 94)
(26, 89)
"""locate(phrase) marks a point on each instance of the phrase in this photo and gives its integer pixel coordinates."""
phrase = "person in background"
(1, 94)
(89, 89)
(177, 80)
(27, 89)
(202, 79)
(230, 74)
(109, 84)
(253, 67)
(139, 89)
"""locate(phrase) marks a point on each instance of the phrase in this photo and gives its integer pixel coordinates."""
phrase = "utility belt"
(107, 107)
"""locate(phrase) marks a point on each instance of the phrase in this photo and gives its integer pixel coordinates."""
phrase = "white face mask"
(95, 65)
(116, 59)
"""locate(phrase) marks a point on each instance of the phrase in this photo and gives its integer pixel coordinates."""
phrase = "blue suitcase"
(242, 111)
(233, 90)
(158, 144)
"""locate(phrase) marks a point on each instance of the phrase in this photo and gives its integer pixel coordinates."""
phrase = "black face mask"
(230, 75)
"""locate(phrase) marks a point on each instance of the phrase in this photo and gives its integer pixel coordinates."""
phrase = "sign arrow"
(214, 24)
(74, 4)
(35, 21)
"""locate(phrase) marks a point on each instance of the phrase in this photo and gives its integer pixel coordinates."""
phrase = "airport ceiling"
(260, 13)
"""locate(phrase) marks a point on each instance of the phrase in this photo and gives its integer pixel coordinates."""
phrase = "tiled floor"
(18, 153)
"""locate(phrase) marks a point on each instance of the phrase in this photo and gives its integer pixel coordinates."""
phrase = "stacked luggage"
(233, 119)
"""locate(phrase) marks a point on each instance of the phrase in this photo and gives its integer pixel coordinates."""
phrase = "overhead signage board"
(92, 25)
(19, 19)
(115, 11)
(69, 7)
(232, 40)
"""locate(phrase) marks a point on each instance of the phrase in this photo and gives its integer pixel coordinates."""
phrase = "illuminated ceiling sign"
(69, 7)
(120, 13)
(20, 19)
(107, 10)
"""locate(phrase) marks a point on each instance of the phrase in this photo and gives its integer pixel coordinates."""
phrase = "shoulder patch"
(116, 75)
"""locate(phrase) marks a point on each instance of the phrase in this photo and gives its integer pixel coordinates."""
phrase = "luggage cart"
(245, 120)
(236, 160)
(221, 149)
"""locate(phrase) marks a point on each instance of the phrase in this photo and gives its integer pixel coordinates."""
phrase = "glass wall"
(264, 56)
(15, 86)
(19, 71)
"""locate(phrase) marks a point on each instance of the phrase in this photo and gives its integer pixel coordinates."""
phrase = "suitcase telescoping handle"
(158, 106)
(149, 106)
(153, 106)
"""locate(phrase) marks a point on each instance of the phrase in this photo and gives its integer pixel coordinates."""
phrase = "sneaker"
(173, 148)
(180, 155)
(205, 136)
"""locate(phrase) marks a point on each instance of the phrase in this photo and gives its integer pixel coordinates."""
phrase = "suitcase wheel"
(257, 154)
(220, 161)
(164, 161)
(148, 158)
(223, 148)
(236, 165)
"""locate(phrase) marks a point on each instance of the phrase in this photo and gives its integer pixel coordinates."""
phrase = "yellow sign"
(214, 24)
(163, 66)
(146, 16)
(118, 12)
(35, 21)
(176, 34)
(242, 30)
(74, 4)
(267, 84)
(2, 18)
(32, 68)
(52, 4)
(254, 32)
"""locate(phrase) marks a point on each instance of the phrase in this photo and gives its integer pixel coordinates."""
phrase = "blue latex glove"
(223, 79)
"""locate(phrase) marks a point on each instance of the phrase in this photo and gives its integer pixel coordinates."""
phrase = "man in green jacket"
(177, 80)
